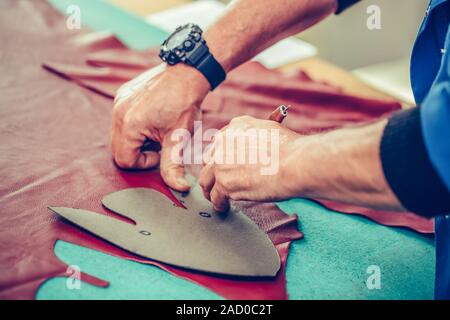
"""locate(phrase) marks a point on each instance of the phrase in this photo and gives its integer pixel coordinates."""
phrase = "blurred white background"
(346, 41)
(379, 57)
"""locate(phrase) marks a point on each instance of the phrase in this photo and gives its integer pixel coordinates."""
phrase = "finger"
(219, 200)
(136, 160)
(147, 160)
(172, 166)
(206, 180)
(127, 153)
(213, 153)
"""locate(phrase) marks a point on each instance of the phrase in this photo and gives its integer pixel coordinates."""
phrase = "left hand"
(153, 106)
(266, 178)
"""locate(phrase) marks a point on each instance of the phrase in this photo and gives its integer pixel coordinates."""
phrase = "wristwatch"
(187, 45)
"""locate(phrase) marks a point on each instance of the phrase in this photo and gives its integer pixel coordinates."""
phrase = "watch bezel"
(181, 53)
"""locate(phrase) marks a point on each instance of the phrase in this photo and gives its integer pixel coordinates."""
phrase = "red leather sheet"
(54, 144)
(253, 90)
(54, 147)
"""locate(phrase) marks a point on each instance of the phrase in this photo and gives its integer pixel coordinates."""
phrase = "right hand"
(152, 106)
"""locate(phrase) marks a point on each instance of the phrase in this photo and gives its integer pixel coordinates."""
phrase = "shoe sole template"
(195, 238)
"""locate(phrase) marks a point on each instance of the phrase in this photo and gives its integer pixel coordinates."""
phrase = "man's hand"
(167, 98)
(341, 165)
(152, 106)
(265, 177)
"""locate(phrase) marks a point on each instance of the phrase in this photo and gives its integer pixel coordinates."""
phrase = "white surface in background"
(205, 12)
(390, 77)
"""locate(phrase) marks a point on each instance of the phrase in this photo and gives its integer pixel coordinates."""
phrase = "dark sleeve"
(408, 169)
(344, 4)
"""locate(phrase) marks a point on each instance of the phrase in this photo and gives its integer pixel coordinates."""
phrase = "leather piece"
(192, 237)
(254, 90)
(54, 142)
(251, 89)
(388, 218)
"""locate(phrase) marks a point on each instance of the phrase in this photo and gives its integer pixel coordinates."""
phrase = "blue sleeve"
(435, 118)
(415, 149)
(344, 4)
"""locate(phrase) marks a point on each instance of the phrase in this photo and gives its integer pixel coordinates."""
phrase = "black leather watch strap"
(211, 69)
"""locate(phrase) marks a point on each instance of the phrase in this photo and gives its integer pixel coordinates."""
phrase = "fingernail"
(183, 182)
(222, 209)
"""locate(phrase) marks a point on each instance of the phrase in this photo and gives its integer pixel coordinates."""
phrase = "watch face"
(178, 38)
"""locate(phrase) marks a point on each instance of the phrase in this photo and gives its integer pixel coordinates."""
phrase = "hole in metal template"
(205, 214)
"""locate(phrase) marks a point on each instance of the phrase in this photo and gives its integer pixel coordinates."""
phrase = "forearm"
(343, 165)
(250, 26)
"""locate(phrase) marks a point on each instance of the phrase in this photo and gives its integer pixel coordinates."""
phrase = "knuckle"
(244, 118)
(213, 194)
(131, 121)
(165, 169)
(202, 182)
(227, 184)
(236, 197)
(124, 163)
(221, 188)
(235, 120)
(218, 195)
(118, 113)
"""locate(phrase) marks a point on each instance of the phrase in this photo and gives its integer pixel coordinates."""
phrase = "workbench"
(331, 262)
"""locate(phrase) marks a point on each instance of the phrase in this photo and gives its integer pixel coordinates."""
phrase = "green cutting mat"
(329, 263)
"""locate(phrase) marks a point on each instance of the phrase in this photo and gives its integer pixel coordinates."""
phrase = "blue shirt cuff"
(407, 166)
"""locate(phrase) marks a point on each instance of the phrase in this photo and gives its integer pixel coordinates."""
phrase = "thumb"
(172, 165)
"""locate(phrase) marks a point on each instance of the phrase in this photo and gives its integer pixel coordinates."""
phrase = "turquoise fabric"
(101, 15)
(128, 279)
(329, 263)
